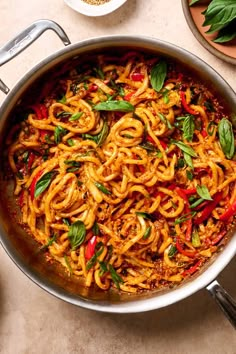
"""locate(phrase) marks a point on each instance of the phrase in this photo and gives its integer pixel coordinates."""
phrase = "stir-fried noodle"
(125, 171)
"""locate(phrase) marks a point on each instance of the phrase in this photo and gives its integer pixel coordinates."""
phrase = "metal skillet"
(23, 250)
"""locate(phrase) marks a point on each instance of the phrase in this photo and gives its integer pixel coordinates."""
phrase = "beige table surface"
(32, 321)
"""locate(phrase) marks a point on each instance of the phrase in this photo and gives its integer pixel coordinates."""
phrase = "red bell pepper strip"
(93, 88)
(137, 76)
(185, 105)
(150, 139)
(181, 194)
(208, 209)
(34, 182)
(190, 254)
(188, 234)
(189, 191)
(231, 211)
(128, 96)
(218, 238)
(90, 249)
(40, 110)
(192, 269)
(163, 144)
(204, 133)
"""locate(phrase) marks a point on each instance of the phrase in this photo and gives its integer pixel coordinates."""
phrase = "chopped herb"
(189, 175)
(62, 100)
(66, 221)
(76, 116)
(211, 128)
(165, 95)
(144, 215)
(68, 264)
(196, 203)
(59, 133)
(172, 251)
(70, 142)
(63, 114)
(102, 188)
(95, 229)
(103, 268)
(147, 233)
(49, 243)
(180, 163)
(148, 146)
(99, 138)
(159, 154)
(99, 73)
(165, 121)
(185, 217)
(115, 277)
(25, 156)
(128, 136)
(79, 183)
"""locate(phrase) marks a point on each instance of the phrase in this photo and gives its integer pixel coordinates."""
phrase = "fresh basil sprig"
(220, 15)
(76, 234)
(226, 137)
(43, 183)
(203, 192)
(158, 75)
(119, 106)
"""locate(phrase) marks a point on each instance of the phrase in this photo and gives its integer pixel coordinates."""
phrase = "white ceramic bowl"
(94, 10)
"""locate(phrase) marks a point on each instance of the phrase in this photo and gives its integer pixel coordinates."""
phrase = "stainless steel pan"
(23, 250)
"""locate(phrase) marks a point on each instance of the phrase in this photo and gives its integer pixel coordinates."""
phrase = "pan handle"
(25, 38)
(224, 300)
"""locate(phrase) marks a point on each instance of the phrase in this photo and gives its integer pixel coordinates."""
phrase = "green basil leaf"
(62, 100)
(72, 163)
(226, 34)
(147, 233)
(115, 277)
(76, 116)
(76, 234)
(144, 215)
(188, 160)
(187, 149)
(59, 133)
(219, 13)
(172, 251)
(63, 114)
(158, 75)
(226, 137)
(43, 183)
(102, 188)
(49, 243)
(203, 192)
(103, 268)
(188, 127)
(189, 175)
(148, 146)
(120, 106)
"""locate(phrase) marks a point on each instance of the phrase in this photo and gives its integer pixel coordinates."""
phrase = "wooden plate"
(195, 19)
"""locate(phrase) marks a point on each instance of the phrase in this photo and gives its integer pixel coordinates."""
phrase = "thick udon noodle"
(122, 203)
